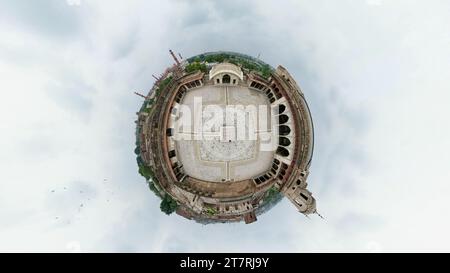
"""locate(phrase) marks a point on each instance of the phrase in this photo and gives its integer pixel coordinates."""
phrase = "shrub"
(168, 205)
(211, 210)
(146, 172)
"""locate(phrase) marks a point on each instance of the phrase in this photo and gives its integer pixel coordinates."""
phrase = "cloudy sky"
(376, 74)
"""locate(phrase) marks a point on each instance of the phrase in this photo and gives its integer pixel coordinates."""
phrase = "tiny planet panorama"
(222, 137)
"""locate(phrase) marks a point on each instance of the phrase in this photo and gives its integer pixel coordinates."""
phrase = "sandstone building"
(222, 165)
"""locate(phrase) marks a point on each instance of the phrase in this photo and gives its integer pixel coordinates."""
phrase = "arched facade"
(226, 74)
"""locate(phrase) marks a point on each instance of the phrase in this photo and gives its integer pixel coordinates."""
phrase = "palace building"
(221, 137)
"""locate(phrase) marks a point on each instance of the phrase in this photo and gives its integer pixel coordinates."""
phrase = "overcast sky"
(376, 75)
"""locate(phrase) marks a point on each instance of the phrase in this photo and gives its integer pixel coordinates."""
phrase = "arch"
(226, 78)
(284, 130)
(226, 68)
(304, 196)
(282, 151)
(281, 108)
(218, 80)
(283, 119)
(284, 141)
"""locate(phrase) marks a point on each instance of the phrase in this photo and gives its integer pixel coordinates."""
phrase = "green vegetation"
(211, 210)
(272, 197)
(148, 106)
(195, 66)
(163, 84)
(153, 188)
(272, 194)
(139, 160)
(217, 58)
(244, 61)
(146, 172)
(265, 71)
(168, 205)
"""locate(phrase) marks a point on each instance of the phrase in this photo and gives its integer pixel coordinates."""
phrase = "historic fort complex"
(222, 137)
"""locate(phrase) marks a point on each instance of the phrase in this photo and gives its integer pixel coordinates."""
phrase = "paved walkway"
(227, 154)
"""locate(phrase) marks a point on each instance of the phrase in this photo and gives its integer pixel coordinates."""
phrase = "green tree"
(271, 194)
(146, 171)
(152, 187)
(168, 205)
(195, 66)
(266, 71)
